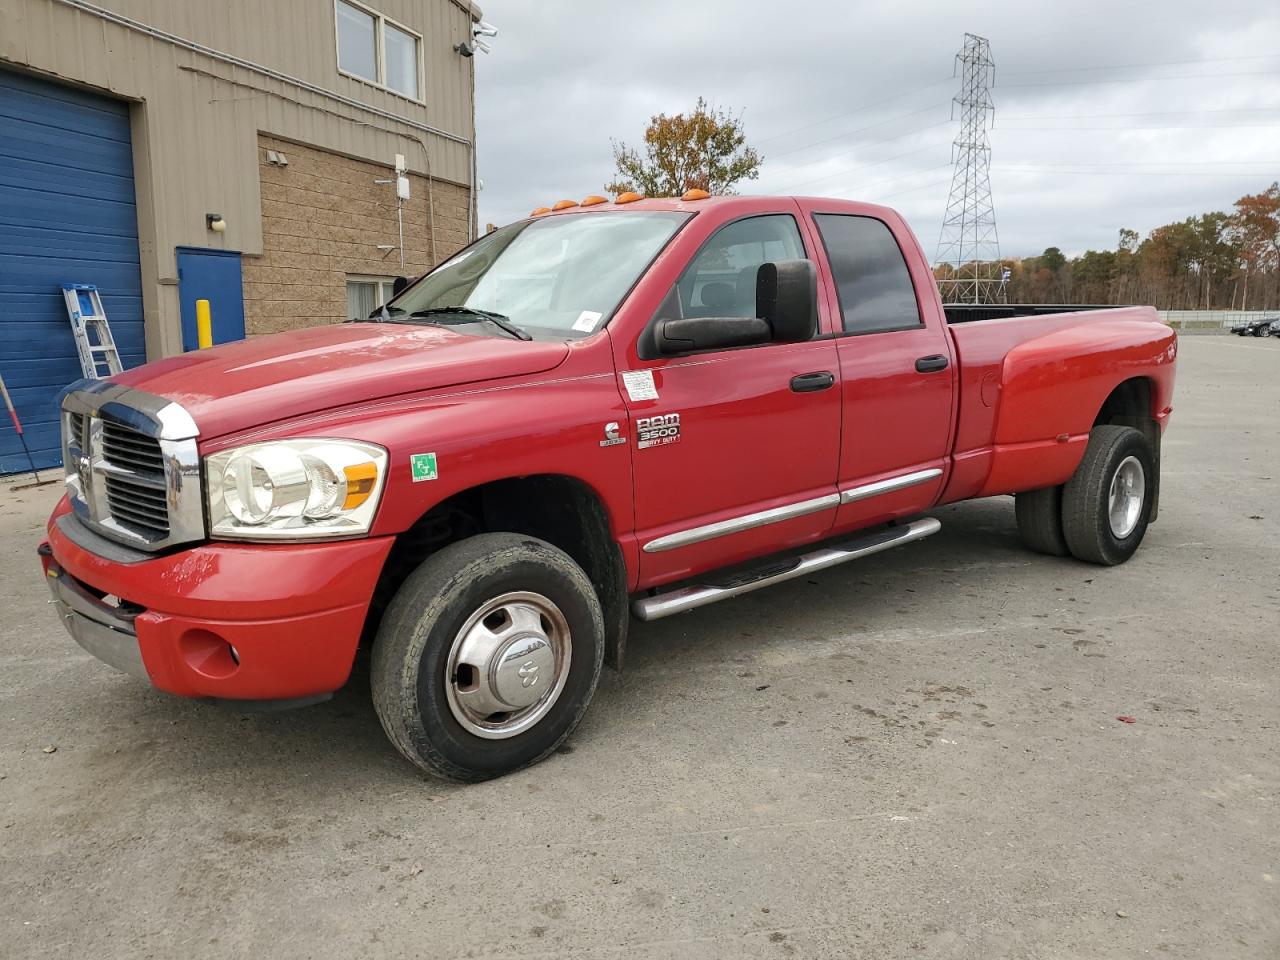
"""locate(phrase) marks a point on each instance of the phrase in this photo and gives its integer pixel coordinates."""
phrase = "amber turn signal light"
(361, 478)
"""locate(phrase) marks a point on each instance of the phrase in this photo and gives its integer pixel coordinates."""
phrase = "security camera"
(483, 29)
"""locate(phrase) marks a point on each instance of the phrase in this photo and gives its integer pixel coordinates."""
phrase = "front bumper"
(269, 622)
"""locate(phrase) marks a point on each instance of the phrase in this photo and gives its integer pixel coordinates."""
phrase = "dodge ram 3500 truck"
(607, 409)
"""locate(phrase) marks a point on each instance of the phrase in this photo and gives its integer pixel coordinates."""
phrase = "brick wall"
(323, 218)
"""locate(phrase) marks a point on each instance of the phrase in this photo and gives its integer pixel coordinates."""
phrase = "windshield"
(556, 278)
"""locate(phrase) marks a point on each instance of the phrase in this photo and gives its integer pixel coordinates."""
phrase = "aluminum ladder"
(84, 308)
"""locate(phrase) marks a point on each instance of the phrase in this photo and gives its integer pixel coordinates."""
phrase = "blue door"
(66, 216)
(212, 275)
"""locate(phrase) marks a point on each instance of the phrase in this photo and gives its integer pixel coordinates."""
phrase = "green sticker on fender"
(423, 466)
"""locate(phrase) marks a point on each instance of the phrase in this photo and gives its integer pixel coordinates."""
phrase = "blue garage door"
(66, 216)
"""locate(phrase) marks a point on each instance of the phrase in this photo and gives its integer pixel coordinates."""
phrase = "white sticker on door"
(586, 321)
(639, 384)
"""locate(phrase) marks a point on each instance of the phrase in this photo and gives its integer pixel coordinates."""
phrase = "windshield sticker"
(586, 321)
(423, 466)
(639, 384)
(657, 431)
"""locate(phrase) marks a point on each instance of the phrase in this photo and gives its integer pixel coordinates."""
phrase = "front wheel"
(487, 657)
(1106, 504)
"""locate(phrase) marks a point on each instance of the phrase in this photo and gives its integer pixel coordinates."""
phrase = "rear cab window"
(871, 276)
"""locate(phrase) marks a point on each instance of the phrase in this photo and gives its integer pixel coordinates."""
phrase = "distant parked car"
(1274, 329)
(1254, 328)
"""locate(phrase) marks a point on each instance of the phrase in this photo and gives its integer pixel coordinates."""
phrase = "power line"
(873, 143)
(1129, 66)
(902, 176)
(1131, 173)
(898, 193)
(850, 133)
(845, 171)
(1141, 79)
(1141, 163)
(1171, 126)
(860, 109)
(1158, 113)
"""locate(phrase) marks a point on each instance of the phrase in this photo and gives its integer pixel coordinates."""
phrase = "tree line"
(1216, 260)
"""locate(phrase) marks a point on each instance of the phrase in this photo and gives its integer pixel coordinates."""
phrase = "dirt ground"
(916, 755)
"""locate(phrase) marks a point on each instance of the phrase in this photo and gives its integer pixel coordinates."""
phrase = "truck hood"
(242, 385)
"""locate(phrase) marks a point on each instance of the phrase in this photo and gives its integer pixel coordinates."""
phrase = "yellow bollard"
(204, 324)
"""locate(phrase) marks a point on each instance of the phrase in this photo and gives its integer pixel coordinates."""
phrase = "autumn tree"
(705, 149)
(1256, 229)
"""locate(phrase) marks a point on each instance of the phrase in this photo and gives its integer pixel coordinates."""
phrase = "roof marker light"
(540, 211)
(592, 200)
(564, 204)
(695, 194)
(629, 197)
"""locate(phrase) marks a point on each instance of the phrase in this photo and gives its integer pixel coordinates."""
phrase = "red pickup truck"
(608, 409)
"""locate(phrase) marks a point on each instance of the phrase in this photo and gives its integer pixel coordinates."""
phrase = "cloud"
(1108, 115)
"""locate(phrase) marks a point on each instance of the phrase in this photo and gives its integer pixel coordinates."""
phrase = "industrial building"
(241, 152)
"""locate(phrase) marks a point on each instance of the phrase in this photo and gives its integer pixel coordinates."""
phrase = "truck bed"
(1032, 381)
(972, 312)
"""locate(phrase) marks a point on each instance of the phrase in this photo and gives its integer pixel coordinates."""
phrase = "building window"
(367, 294)
(378, 50)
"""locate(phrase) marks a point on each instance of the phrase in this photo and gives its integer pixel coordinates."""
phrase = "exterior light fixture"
(215, 222)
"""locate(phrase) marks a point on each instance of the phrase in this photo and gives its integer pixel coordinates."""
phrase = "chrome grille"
(130, 449)
(133, 473)
(134, 487)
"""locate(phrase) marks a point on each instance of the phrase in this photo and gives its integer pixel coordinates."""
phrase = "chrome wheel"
(508, 665)
(1124, 501)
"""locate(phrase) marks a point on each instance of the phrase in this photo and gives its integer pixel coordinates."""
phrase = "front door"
(212, 275)
(896, 369)
(734, 457)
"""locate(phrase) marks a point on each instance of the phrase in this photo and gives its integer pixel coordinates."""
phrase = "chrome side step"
(688, 598)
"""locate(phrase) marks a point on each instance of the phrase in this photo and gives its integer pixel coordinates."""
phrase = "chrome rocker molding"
(854, 494)
(737, 524)
(750, 521)
(689, 598)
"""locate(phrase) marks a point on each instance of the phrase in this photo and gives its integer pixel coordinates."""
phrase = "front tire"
(487, 657)
(1106, 505)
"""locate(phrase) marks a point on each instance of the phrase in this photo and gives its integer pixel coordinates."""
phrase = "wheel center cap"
(524, 671)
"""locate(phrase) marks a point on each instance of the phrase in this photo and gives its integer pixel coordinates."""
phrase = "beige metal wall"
(196, 117)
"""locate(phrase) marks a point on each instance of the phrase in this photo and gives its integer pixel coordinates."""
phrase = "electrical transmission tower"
(969, 245)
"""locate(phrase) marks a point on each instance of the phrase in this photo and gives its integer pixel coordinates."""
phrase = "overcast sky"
(1108, 115)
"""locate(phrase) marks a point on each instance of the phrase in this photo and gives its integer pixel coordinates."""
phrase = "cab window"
(872, 281)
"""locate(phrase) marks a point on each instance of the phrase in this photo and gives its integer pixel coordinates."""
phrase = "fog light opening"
(208, 654)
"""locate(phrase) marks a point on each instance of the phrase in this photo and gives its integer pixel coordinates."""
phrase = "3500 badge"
(657, 431)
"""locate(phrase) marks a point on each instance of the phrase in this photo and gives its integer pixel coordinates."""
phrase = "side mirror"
(787, 299)
(710, 333)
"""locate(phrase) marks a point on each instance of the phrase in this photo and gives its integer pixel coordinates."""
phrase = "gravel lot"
(914, 756)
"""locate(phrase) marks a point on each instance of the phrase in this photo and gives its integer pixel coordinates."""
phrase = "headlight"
(295, 489)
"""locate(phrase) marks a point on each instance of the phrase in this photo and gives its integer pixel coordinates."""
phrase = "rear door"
(734, 451)
(896, 367)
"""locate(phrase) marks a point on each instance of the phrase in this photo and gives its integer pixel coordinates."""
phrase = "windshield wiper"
(464, 314)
